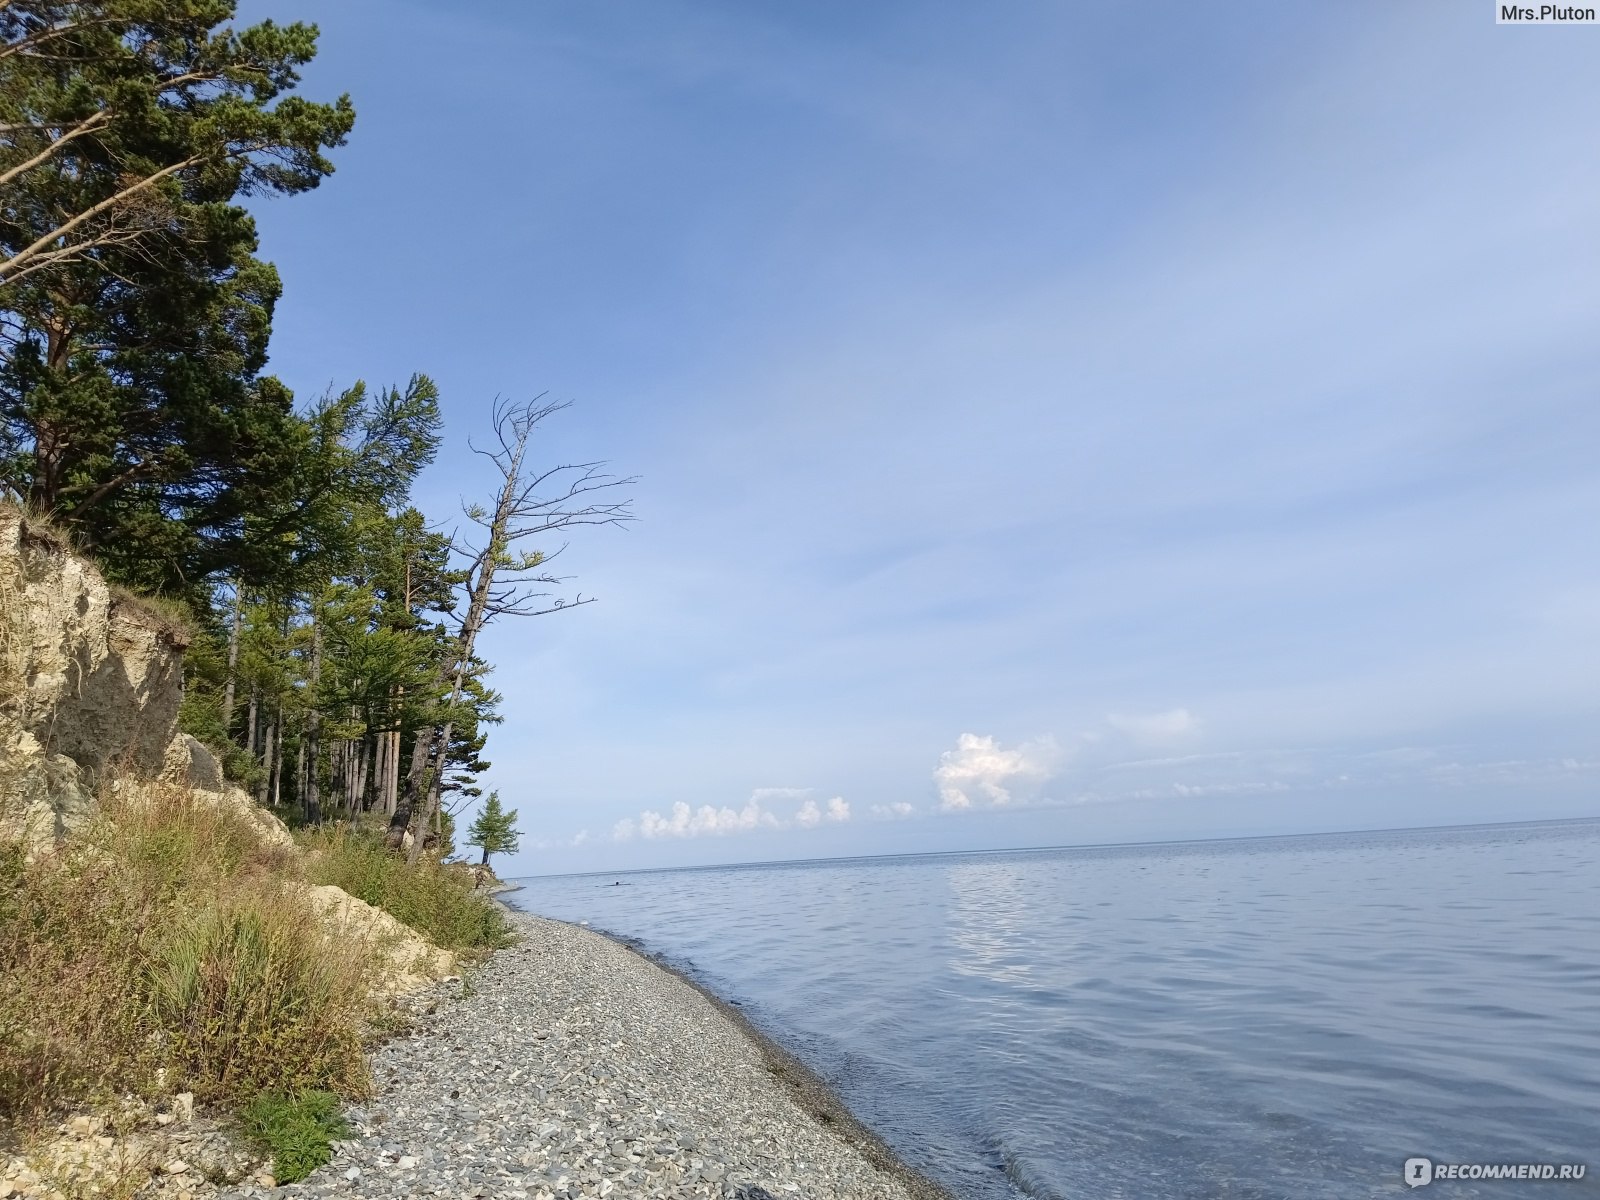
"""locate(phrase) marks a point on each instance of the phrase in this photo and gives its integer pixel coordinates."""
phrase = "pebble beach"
(571, 1066)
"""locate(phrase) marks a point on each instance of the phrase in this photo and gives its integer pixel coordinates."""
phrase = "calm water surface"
(1256, 1018)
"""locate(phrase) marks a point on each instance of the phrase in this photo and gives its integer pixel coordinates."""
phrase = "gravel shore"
(572, 1066)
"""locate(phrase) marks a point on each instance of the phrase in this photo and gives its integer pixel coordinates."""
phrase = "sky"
(1053, 423)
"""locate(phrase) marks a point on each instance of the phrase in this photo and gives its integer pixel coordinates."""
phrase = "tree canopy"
(134, 313)
(336, 660)
(494, 830)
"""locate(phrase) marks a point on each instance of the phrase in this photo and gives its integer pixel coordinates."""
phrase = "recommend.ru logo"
(1419, 1172)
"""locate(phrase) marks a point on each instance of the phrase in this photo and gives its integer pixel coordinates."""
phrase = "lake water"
(1273, 1017)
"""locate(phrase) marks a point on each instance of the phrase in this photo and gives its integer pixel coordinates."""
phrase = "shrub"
(296, 1128)
(70, 977)
(255, 996)
(162, 950)
(437, 903)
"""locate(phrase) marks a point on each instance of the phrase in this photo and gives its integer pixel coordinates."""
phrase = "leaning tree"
(505, 576)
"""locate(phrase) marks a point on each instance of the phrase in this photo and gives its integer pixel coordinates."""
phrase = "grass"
(297, 1128)
(433, 900)
(165, 951)
(167, 948)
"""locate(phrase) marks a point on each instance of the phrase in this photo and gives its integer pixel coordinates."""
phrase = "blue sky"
(1055, 423)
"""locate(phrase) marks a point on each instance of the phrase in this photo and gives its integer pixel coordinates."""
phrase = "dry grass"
(40, 528)
(437, 902)
(164, 952)
(171, 618)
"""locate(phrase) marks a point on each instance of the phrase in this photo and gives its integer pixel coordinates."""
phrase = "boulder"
(190, 765)
(187, 761)
(408, 960)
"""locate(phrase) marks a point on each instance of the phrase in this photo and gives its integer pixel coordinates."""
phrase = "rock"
(87, 679)
(175, 1166)
(189, 765)
(183, 1107)
(90, 684)
(188, 762)
(409, 961)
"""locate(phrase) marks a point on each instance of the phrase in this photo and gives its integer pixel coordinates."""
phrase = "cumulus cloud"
(890, 812)
(812, 814)
(980, 772)
(684, 822)
(1154, 727)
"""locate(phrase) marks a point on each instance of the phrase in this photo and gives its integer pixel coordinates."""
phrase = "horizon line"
(1249, 837)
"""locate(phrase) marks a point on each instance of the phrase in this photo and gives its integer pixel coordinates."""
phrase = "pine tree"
(134, 314)
(495, 830)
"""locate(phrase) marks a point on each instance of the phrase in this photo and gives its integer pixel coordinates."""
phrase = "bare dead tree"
(505, 578)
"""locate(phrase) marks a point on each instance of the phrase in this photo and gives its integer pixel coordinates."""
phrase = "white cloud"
(684, 822)
(763, 795)
(893, 811)
(1154, 727)
(979, 771)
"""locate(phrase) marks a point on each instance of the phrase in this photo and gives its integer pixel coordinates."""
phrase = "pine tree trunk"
(312, 738)
(251, 721)
(365, 749)
(276, 794)
(401, 821)
(380, 766)
(270, 774)
(338, 775)
(438, 819)
(233, 656)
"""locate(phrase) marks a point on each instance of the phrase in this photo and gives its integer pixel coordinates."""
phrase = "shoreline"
(809, 1090)
(572, 1065)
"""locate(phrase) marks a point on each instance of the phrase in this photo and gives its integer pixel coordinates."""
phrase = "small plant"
(297, 1128)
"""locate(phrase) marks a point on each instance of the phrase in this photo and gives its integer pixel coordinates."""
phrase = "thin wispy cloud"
(1155, 728)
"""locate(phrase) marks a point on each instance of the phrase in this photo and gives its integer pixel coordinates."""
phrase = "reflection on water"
(987, 922)
(1248, 1019)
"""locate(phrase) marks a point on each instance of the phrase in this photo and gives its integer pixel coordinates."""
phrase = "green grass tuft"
(298, 1129)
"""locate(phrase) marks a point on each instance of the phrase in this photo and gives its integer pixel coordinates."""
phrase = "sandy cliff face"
(90, 684)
